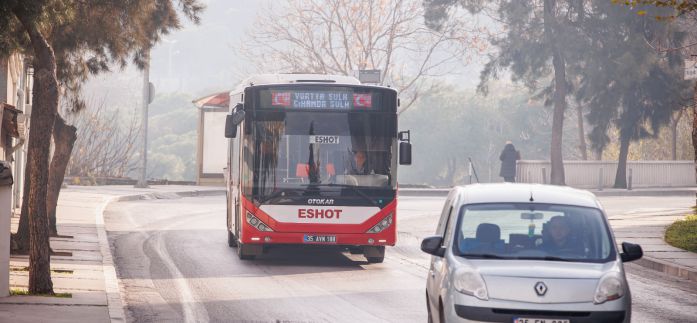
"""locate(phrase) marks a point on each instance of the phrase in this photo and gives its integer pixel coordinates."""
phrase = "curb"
(668, 268)
(111, 281)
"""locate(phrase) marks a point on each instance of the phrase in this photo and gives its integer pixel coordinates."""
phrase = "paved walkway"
(648, 230)
(83, 265)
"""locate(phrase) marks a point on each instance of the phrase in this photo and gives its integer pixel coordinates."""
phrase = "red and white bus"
(312, 159)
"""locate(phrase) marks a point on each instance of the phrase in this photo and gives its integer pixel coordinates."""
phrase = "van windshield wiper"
(483, 256)
(546, 258)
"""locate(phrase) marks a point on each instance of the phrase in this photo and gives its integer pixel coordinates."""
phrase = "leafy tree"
(342, 36)
(68, 40)
(628, 84)
(173, 142)
(539, 43)
(684, 8)
(471, 125)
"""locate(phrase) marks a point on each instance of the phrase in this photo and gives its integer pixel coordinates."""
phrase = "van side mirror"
(232, 121)
(404, 147)
(631, 252)
(433, 246)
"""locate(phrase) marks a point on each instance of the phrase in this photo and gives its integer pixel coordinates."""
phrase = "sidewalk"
(648, 230)
(83, 265)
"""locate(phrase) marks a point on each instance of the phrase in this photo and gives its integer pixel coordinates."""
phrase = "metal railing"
(601, 174)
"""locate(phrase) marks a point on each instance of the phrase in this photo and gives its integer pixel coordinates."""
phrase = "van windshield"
(534, 232)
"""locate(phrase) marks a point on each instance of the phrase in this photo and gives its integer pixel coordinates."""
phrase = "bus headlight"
(256, 223)
(382, 225)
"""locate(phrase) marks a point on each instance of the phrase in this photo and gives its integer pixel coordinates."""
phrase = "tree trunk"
(621, 176)
(42, 117)
(556, 158)
(674, 134)
(694, 132)
(64, 137)
(581, 133)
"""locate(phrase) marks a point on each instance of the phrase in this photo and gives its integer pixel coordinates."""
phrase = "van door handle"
(433, 273)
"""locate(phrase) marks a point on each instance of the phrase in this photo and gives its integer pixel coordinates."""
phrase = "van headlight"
(610, 287)
(470, 282)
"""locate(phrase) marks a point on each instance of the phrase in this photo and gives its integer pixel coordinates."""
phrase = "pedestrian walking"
(508, 158)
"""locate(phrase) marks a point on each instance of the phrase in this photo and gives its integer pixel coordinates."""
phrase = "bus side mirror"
(230, 127)
(404, 153)
(404, 148)
(231, 123)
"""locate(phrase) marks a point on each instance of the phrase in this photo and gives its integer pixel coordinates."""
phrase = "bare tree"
(106, 145)
(342, 36)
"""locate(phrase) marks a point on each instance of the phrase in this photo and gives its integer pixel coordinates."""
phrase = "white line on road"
(193, 311)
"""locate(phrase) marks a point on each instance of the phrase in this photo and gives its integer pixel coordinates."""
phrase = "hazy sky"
(200, 58)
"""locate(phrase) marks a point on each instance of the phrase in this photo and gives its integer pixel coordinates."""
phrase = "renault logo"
(540, 289)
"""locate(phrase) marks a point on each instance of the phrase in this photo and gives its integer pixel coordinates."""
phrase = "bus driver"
(359, 165)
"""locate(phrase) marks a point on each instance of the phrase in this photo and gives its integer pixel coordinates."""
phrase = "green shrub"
(683, 233)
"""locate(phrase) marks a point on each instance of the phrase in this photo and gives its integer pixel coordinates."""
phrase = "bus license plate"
(308, 238)
(534, 320)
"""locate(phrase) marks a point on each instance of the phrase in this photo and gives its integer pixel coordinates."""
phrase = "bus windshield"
(301, 150)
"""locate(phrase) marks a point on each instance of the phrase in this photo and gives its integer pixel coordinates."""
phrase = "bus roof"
(275, 79)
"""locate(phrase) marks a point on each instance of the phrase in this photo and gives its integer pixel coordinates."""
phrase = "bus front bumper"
(385, 238)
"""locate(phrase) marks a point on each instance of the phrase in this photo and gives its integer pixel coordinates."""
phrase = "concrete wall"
(592, 174)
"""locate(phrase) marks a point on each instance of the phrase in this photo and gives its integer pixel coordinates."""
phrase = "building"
(211, 146)
(16, 81)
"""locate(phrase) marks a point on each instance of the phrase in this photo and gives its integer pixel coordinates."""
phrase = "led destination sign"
(317, 100)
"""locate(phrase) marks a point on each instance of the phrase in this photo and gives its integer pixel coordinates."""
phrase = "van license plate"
(534, 320)
(308, 238)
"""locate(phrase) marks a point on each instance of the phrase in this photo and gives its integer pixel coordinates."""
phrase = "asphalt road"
(174, 264)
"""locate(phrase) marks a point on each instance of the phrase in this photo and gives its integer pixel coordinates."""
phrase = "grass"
(683, 233)
(24, 292)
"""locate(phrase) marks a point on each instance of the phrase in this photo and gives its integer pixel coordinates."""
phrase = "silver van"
(526, 253)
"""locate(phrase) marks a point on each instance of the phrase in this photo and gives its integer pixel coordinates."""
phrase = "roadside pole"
(148, 94)
(690, 74)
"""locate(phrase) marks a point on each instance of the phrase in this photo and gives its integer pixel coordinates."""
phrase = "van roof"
(524, 193)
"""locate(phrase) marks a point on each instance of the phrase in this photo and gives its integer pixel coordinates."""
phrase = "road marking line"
(193, 311)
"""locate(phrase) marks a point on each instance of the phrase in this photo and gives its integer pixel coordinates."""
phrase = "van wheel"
(428, 309)
(231, 239)
(441, 312)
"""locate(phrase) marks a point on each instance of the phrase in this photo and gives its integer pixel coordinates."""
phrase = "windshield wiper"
(483, 256)
(271, 197)
(353, 188)
(546, 258)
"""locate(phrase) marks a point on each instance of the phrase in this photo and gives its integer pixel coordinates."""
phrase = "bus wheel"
(375, 255)
(354, 250)
(231, 239)
(249, 252)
